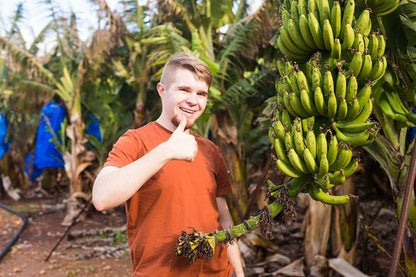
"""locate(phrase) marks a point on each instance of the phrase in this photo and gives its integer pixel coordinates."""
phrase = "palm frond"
(23, 61)
(244, 91)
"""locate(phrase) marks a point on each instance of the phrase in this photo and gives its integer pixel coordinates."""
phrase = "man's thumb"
(182, 125)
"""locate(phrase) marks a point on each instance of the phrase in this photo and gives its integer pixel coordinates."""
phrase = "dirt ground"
(82, 256)
(106, 254)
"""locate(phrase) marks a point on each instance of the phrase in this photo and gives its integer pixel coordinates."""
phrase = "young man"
(171, 179)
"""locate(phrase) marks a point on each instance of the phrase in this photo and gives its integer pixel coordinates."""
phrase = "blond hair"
(189, 62)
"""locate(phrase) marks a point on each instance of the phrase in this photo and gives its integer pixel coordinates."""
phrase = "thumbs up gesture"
(182, 145)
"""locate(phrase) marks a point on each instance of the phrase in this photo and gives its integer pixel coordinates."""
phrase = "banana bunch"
(389, 101)
(311, 156)
(312, 25)
(382, 7)
(333, 94)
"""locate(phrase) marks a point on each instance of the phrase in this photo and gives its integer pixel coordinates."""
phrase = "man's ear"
(160, 89)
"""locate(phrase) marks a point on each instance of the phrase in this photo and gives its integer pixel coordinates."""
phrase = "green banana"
(310, 140)
(328, 35)
(363, 23)
(328, 83)
(352, 88)
(310, 161)
(341, 85)
(381, 8)
(356, 63)
(287, 169)
(353, 139)
(296, 162)
(355, 127)
(297, 37)
(296, 105)
(297, 135)
(302, 81)
(302, 7)
(286, 120)
(358, 44)
(348, 37)
(351, 167)
(324, 182)
(342, 109)
(364, 94)
(337, 177)
(353, 109)
(288, 51)
(316, 31)
(319, 100)
(336, 18)
(364, 113)
(319, 195)
(286, 102)
(307, 103)
(323, 10)
(279, 129)
(381, 45)
(336, 49)
(294, 10)
(321, 146)
(343, 158)
(348, 14)
(332, 149)
(306, 33)
(280, 151)
(316, 78)
(365, 68)
(289, 143)
(323, 165)
(332, 105)
(373, 46)
(378, 70)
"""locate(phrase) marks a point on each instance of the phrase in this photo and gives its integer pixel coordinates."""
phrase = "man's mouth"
(187, 111)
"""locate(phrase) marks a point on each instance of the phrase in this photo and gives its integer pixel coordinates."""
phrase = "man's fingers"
(182, 125)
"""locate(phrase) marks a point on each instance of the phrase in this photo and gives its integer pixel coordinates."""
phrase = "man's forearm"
(235, 258)
(113, 186)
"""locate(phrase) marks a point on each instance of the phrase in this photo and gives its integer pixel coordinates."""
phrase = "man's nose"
(192, 98)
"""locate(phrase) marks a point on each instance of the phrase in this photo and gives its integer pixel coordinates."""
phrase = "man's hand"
(181, 145)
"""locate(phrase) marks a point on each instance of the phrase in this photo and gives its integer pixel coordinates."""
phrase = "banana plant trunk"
(225, 134)
(73, 158)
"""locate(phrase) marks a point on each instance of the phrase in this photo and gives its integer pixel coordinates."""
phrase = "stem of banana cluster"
(250, 224)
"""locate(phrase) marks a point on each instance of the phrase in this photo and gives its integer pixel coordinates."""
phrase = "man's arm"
(113, 186)
(226, 222)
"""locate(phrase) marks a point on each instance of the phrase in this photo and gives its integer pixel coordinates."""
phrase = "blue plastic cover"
(46, 152)
(93, 128)
(30, 169)
(4, 146)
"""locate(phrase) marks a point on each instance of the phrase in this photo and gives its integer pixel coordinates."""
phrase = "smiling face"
(184, 95)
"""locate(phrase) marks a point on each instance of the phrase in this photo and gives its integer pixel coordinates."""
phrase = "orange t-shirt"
(179, 196)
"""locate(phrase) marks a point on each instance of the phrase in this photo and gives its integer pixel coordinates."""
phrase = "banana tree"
(395, 96)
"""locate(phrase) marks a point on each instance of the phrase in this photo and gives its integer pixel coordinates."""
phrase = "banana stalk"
(202, 245)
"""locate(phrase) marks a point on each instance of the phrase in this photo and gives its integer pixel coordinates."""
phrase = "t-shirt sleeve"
(125, 150)
(222, 175)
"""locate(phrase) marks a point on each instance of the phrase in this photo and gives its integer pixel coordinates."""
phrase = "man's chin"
(175, 121)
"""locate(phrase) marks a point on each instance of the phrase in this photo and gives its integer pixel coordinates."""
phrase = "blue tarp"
(30, 169)
(93, 128)
(4, 146)
(46, 153)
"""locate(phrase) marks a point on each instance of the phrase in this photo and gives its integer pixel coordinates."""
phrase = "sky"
(36, 15)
